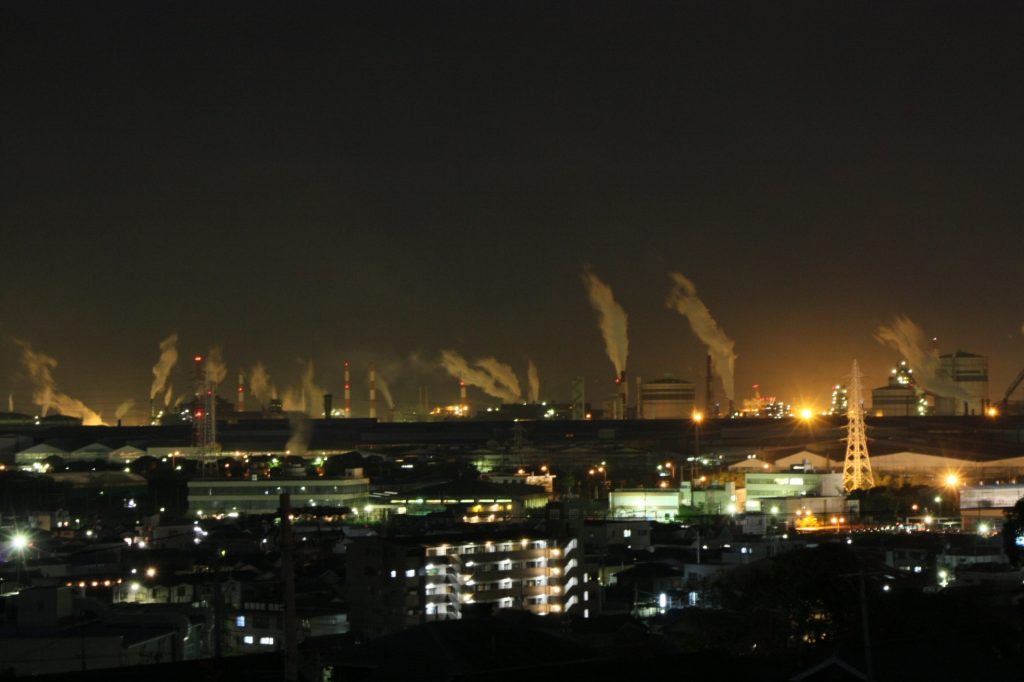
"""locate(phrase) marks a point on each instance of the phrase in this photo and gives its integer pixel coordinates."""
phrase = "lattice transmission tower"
(857, 466)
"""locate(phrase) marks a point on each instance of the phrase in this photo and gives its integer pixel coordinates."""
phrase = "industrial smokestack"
(638, 411)
(328, 405)
(623, 394)
(463, 400)
(709, 390)
(241, 392)
(373, 391)
(348, 392)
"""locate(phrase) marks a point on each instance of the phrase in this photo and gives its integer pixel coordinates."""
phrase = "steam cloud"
(162, 368)
(168, 396)
(908, 339)
(683, 297)
(611, 318)
(503, 375)
(478, 376)
(385, 392)
(123, 408)
(46, 395)
(216, 370)
(533, 378)
(307, 398)
(259, 383)
(301, 431)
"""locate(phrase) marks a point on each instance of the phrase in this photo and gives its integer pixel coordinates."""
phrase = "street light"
(698, 418)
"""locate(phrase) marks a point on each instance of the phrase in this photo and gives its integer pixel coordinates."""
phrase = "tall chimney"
(373, 391)
(709, 390)
(328, 405)
(624, 393)
(638, 411)
(348, 392)
(463, 400)
(241, 392)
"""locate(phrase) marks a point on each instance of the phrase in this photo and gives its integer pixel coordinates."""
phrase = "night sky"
(381, 181)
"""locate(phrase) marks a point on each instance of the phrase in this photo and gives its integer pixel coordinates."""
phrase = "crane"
(1012, 388)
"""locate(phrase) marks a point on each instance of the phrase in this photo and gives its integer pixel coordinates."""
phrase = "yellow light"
(952, 480)
(151, 572)
(806, 414)
(698, 417)
(992, 412)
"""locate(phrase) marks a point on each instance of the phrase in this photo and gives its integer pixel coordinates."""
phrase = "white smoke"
(533, 378)
(457, 366)
(46, 394)
(611, 318)
(168, 396)
(301, 431)
(385, 392)
(307, 398)
(503, 374)
(162, 368)
(260, 385)
(683, 298)
(216, 370)
(908, 339)
(123, 408)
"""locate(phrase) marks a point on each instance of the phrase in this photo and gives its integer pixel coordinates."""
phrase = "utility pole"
(291, 651)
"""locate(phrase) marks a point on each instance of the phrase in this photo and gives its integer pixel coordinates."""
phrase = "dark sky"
(378, 181)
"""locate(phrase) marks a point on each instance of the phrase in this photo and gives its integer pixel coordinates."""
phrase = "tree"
(1013, 530)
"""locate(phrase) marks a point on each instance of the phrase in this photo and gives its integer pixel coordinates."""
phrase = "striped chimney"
(373, 391)
(348, 392)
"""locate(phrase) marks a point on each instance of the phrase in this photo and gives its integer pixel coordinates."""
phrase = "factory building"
(396, 583)
(262, 496)
(894, 400)
(666, 398)
(970, 372)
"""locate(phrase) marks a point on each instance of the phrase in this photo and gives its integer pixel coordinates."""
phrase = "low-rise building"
(207, 497)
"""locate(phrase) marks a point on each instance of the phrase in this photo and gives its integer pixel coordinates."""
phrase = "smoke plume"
(259, 384)
(123, 408)
(683, 297)
(216, 370)
(307, 398)
(611, 318)
(301, 431)
(162, 368)
(503, 374)
(908, 339)
(168, 396)
(46, 394)
(457, 366)
(533, 378)
(10, 402)
(385, 392)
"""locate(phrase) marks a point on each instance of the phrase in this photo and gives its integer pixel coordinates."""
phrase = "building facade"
(262, 496)
(970, 372)
(666, 398)
(397, 583)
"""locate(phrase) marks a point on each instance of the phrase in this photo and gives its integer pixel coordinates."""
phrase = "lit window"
(247, 639)
(394, 574)
(240, 621)
(627, 533)
(411, 573)
(267, 641)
